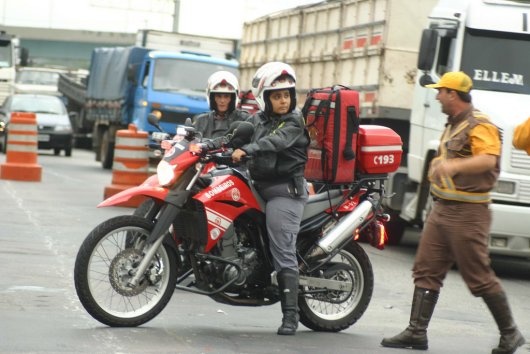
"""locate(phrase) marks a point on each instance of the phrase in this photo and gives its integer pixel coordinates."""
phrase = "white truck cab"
(8, 57)
(490, 41)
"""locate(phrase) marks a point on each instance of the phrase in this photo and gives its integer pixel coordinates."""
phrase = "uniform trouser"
(283, 214)
(456, 232)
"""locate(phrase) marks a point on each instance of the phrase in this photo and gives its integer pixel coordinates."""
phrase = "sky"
(218, 18)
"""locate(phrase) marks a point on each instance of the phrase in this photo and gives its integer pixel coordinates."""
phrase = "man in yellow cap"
(457, 228)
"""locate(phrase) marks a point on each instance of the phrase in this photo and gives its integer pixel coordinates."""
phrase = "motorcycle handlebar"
(225, 158)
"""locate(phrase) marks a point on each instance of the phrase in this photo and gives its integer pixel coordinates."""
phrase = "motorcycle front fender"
(150, 191)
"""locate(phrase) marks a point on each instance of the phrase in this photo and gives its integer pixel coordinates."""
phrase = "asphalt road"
(42, 225)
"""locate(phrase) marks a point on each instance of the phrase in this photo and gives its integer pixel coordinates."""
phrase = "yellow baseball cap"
(454, 80)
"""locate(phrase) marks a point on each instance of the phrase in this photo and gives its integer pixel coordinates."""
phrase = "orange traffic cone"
(130, 166)
(21, 149)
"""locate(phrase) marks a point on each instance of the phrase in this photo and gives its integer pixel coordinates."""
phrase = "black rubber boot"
(415, 335)
(511, 338)
(288, 284)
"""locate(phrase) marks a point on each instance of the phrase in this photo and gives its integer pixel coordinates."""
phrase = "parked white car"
(53, 122)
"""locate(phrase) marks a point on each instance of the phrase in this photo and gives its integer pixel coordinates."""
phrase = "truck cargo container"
(183, 42)
(368, 45)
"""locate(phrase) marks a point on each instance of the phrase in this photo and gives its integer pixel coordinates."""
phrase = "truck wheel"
(107, 151)
(4, 143)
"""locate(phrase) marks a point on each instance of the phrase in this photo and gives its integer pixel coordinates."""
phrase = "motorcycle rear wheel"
(337, 310)
(103, 267)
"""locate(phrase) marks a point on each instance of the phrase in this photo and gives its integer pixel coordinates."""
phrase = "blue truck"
(124, 84)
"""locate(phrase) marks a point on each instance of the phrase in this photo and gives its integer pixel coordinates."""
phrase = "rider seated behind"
(222, 94)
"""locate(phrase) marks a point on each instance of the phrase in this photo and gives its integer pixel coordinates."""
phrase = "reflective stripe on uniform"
(460, 196)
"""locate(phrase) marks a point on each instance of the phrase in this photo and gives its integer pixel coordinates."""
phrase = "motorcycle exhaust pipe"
(344, 229)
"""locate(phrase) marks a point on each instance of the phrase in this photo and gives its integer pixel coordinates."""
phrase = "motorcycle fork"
(174, 203)
(154, 241)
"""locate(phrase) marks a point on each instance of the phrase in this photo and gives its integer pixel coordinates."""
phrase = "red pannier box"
(379, 150)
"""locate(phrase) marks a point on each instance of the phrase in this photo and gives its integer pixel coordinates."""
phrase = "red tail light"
(374, 234)
(382, 237)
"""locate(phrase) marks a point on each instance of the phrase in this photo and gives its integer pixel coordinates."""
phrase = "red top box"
(379, 149)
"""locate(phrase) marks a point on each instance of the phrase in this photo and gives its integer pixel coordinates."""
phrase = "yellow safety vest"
(447, 189)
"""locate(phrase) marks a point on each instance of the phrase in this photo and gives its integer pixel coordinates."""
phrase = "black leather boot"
(288, 284)
(415, 335)
(511, 338)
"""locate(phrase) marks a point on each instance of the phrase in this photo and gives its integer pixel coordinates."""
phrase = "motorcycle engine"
(236, 248)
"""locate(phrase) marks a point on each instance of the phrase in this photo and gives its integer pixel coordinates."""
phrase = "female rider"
(222, 94)
(279, 153)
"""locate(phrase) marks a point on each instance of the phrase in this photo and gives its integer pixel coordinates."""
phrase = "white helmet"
(273, 76)
(222, 82)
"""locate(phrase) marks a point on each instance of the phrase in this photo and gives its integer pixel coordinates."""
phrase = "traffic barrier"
(21, 149)
(130, 166)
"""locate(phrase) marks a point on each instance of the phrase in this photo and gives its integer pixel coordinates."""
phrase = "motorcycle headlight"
(166, 173)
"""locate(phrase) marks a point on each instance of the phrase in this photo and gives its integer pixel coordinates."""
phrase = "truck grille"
(524, 191)
(519, 159)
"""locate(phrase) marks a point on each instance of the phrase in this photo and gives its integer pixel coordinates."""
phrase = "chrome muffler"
(343, 230)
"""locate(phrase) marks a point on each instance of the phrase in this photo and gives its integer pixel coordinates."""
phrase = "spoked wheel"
(105, 265)
(335, 310)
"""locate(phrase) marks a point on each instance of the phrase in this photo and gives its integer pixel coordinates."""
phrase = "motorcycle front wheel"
(332, 310)
(104, 267)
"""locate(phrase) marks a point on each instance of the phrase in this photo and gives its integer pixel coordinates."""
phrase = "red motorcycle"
(207, 231)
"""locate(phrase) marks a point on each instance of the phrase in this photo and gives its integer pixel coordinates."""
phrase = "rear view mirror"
(429, 40)
(242, 135)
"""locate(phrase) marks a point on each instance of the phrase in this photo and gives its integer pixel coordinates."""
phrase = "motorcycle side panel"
(224, 200)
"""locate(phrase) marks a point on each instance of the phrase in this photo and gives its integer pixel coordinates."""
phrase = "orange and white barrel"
(130, 166)
(21, 149)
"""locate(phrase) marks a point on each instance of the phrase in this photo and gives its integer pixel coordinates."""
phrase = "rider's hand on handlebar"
(238, 154)
(205, 146)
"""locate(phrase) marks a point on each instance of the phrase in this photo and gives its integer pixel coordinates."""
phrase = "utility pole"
(176, 16)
